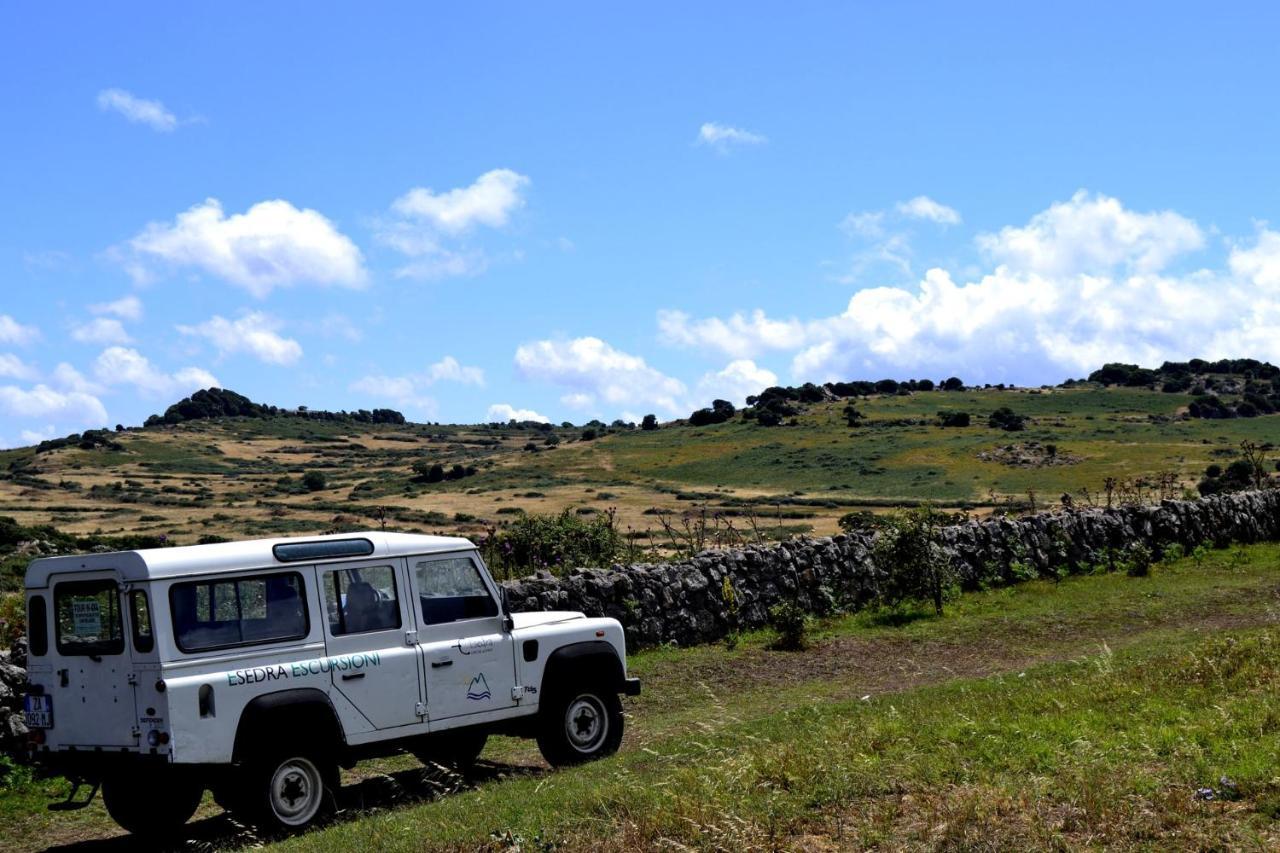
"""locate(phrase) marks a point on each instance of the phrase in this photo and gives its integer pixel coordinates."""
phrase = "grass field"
(237, 478)
(1083, 713)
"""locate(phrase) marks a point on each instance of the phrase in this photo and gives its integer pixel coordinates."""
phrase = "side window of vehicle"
(140, 615)
(357, 601)
(38, 626)
(240, 612)
(451, 589)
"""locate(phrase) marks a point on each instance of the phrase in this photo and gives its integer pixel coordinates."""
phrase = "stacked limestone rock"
(684, 602)
(13, 680)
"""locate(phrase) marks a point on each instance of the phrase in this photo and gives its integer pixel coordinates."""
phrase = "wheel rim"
(586, 723)
(297, 791)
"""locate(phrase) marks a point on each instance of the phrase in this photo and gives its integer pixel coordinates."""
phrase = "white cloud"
(448, 369)
(503, 412)
(489, 201)
(126, 308)
(13, 332)
(122, 366)
(101, 330)
(581, 402)
(429, 225)
(869, 224)
(272, 244)
(68, 378)
(589, 366)
(923, 207)
(1093, 235)
(740, 336)
(137, 110)
(43, 402)
(254, 334)
(1085, 282)
(408, 390)
(722, 136)
(737, 381)
(15, 368)
(35, 436)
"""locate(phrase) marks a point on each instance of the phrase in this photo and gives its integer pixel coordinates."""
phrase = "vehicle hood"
(549, 617)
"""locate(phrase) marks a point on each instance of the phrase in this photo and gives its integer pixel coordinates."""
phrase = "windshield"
(87, 614)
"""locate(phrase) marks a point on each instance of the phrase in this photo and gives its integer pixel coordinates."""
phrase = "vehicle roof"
(181, 561)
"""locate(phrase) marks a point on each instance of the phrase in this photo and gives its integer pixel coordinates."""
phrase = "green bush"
(791, 623)
(535, 541)
(314, 481)
(13, 618)
(913, 566)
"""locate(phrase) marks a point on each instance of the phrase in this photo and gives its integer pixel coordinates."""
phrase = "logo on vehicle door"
(478, 689)
(475, 645)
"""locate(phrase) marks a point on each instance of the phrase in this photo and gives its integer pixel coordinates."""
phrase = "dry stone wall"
(685, 602)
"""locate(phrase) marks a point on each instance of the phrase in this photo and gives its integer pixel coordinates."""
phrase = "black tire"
(579, 725)
(286, 792)
(457, 749)
(151, 806)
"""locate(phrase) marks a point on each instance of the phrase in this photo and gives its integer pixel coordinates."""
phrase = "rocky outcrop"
(13, 681)
(686, 602)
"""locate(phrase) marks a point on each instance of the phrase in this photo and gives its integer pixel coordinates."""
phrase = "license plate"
(38, 711)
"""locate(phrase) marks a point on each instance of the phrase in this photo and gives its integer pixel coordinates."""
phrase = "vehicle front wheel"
(151, 806)
(579, 725)
(287, 792)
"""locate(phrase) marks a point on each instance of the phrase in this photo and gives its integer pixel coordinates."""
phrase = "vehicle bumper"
(631, 686)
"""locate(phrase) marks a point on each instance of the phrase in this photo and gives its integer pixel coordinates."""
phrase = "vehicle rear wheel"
(151, 805)
(287, 791)
(579, 725)
(456, 749)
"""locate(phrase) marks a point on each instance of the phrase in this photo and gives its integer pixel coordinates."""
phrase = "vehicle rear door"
(368, 632)
(469, 660)
(93, 701)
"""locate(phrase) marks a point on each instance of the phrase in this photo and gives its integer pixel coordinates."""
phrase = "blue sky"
(576, 211)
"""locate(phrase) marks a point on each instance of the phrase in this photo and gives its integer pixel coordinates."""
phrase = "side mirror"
(508, 624)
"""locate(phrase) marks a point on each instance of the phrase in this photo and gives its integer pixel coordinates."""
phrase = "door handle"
(353, 676)
(437, 664)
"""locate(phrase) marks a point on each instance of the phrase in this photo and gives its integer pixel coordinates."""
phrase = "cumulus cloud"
(44, 402)
(592, 368)
(123, 366)
(723, 136)
(272, 244)
(15, 368)
(448, 369)
(101, 330)
(137, 110)
(503, 412)
(13, 332)
(68, 378)
(408, 390)
(923, 207)
(740, 336)
(1084, 282)
(254, 334)
(126, 308)
(428, 225)
(737, 381)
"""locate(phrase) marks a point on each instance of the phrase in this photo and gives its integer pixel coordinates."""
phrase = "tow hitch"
(71, 804)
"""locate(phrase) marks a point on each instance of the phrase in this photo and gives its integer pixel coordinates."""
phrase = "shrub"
(953, 419)
(913, 566)
(1007, 419)
(313, 481)
(791, 623)
(953, 383)
(852, 416)
(1137, 560)
(720, 411)
(588, 435)
(535, 541)
(13, 618)
(649, 422)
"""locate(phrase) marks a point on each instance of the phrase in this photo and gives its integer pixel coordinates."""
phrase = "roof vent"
(296, 552)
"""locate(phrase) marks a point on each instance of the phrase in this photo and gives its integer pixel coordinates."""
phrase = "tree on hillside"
(952, 383)
(313, 481)
(649, 422)
(1007, 419)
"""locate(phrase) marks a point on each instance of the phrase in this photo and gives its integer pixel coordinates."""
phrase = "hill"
(266, 472)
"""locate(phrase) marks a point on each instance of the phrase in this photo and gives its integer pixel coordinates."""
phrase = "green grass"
(1028, 716)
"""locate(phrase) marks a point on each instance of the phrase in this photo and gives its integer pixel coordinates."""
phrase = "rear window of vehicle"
(226, 612)
(37, 626)
(87, 616)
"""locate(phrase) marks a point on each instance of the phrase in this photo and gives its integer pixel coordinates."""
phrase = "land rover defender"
(257, 669)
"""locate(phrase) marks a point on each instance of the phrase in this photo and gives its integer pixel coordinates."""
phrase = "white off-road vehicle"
(257, 669)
